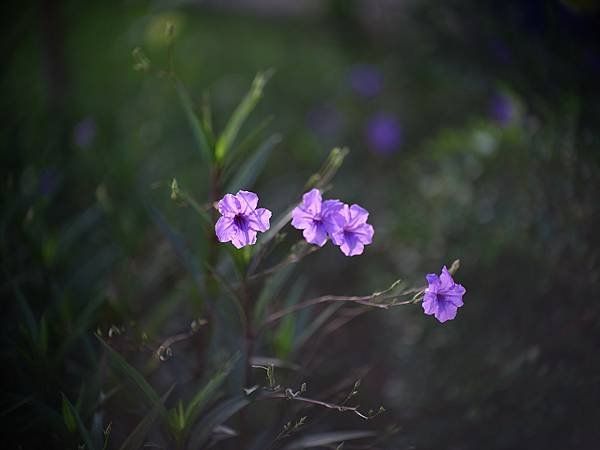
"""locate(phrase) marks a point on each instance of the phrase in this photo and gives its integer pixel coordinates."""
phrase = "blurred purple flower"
(353, 232)
(315, 217)
(365, 80)
(384, 134)
(502, 109)
(241, 220)
(84, 132)
(326, 121)
(48, 181)
(443, 296)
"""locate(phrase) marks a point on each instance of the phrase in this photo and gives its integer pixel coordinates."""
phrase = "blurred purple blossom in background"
(502, 109)
(365, 80)
(443, 296)
(384, 134)
(48, 181)
(84, 132)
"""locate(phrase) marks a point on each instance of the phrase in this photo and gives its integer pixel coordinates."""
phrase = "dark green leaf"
(239, 116)
(195, 125)
(323, 439)
(136, 439)
(74, 415)
(214, 418)
(125, 370)
(207, 392)
(251, 169)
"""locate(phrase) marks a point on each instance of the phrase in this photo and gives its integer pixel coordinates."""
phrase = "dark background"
(473, 130)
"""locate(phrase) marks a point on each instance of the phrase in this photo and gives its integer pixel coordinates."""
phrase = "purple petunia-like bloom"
(353, 232)
(241, 219)
(443, 296)
(316, 217)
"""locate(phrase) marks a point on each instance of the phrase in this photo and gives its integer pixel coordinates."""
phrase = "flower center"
(240, 222)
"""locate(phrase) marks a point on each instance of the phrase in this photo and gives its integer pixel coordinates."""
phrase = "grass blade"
(73, 415)
(194, 121)
(215, 418)
(249, 171)
(326, 439)
(136, 439)
(239, 116)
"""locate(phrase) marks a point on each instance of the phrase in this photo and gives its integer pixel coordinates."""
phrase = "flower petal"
(316, 234)
(351, 245)
(446, 281)
(229, 205)
(248, 201)
(311, 201)
(446, 311)
(225, 229)
(364, 233)
(358, 215)
(301, 218)
(430, 303)
(243, 237)
(258, 220)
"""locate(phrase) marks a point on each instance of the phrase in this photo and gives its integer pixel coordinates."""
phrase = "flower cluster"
(346, 225)
(443, 296)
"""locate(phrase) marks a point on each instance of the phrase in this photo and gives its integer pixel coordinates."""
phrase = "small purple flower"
(353, 231)
(502, 109)
(443, 296)
(384, 134)
(365, 80)
(316, 217)
(84, 132)
(241, 219)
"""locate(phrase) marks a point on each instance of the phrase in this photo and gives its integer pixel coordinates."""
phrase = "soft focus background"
(473, 129)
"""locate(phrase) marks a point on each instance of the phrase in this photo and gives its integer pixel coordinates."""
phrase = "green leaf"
(214, 418)
(324, 439)
(182, 251)
(27, 314)
(125, 370)
(136, 439)
(206, 394)
(250, 170)
(195, 125)
(74, 416)
(68, 416)
(239, 116)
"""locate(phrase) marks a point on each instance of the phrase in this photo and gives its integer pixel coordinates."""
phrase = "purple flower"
(384, 134)
(443, 296)
(241, 219)
(365, 80)
(502, 109)
(84, 132)
(353, 232)
(316, 217)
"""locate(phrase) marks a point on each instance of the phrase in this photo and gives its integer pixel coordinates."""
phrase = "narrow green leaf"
(26, 313)
(182, 251)
(125, 370)
(214, 418)
(193, 120)
(136, 439)
(325, 439)
(250, 170)
(74, 415)
(239, 116)
(68, 416)
(207, 392)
